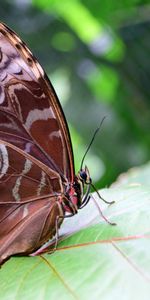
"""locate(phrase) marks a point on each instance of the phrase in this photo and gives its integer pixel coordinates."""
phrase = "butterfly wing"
(28, 206)
(35, 150)
(22, 177)
(31, 224)
(30, 114)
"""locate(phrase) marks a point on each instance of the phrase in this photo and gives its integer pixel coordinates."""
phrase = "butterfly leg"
(100, 211)
(108, 202)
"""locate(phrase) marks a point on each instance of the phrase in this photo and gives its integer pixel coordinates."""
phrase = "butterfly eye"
(83, 175)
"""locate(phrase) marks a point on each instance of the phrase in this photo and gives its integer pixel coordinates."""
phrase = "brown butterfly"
(38, 186)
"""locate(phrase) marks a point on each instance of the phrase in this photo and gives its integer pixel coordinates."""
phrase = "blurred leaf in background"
(97, 57)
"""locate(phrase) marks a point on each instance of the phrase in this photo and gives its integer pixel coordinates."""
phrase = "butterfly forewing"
(28, 100)
(36, 160)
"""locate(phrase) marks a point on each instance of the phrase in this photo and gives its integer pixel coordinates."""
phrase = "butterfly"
(38, 185)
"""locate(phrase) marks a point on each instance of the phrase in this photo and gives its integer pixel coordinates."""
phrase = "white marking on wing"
(28, 147)
(4, 162)
(15, 190)
(56, 134)
(25, 212)
(2, 95)
(42, 183)
(36, 114)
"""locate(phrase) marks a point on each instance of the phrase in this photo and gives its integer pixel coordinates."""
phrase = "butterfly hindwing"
(22, 178)
(31, 224)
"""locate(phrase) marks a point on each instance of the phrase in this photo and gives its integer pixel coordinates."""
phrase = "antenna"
(91, 142)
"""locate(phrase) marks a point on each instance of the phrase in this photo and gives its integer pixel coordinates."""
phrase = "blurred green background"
(97, 55)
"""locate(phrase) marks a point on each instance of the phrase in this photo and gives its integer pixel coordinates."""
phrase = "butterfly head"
(81, 180)
(84, 176)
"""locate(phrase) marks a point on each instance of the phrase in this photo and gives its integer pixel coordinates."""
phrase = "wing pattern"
(36, 160)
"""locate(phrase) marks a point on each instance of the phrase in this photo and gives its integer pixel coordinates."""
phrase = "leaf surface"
(98, 261)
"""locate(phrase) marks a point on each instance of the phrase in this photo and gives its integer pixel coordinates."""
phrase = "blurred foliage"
(96, 54)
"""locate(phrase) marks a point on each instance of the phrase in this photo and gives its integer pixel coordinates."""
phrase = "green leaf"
(99, 261)
(79, 18)
(91, 30)
(104, 83)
